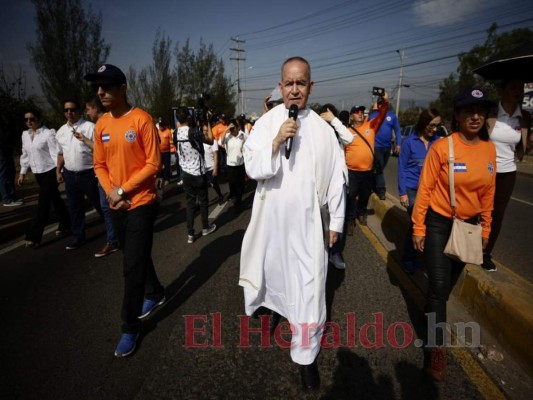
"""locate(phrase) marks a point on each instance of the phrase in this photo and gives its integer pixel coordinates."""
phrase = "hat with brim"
(355, 109)
(108, 73)
(472, 97)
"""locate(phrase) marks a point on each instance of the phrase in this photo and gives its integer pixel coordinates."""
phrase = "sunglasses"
(105, 86)
(30, 119)
(72, 110)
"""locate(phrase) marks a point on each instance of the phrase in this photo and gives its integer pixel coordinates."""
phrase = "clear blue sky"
(351, 45)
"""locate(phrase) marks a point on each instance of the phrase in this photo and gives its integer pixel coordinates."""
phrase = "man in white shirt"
(284, 256)
(75, 167)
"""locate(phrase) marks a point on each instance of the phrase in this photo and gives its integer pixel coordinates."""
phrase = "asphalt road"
(514, 247)
(61, 321)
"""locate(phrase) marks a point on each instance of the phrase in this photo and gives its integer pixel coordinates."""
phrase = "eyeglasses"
(434, 126)
(105, 86)
(72, 110)
(30, 119)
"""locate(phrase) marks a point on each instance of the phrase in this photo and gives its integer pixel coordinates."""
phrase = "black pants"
(442, 271)
(195, 187)
(236, 175)
(77, 186)
(359, 191)
(136, 234)
(504, 188)
(48, 196)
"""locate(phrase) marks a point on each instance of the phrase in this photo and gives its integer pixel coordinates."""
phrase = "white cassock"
(284, 257)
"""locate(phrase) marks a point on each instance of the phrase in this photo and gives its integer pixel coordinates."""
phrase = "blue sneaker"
(126, 345)
(149, 306)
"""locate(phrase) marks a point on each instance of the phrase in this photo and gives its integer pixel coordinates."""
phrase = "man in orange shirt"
(165, 138)
(359, 160)
(127, 161)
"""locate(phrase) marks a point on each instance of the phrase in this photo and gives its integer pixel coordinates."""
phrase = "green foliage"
(464, 78)
(68, 46)
(410, 115)
(13, 103)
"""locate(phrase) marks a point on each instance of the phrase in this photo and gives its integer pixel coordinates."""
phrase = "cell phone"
(378, 91)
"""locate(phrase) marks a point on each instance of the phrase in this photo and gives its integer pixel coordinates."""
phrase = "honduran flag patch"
(105, 137)
(459, 167)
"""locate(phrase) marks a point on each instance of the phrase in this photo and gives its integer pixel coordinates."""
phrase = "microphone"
(293, 113)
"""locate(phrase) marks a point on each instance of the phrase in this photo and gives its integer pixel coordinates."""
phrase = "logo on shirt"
(105, 137)
(131, 136)
(490, 167)
(477, 93)
(459, 167)
(388, 118)
(367, 132)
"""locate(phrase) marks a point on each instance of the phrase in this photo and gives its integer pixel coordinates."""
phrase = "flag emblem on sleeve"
(459, 167)
(105, 137)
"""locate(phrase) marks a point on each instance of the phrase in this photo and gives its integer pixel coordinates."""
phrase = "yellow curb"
(500, 301)
(477, 375)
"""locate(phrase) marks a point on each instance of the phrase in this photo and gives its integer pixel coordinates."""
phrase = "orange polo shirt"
(358, 155)
(165, 137)
(475, 182)
(126, 153)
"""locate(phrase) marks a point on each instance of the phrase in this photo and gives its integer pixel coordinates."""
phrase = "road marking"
(216, 212)
(522, 201)
(477, 375)
(50, 229)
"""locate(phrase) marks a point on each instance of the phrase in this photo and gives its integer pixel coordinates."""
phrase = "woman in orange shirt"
(474, 174)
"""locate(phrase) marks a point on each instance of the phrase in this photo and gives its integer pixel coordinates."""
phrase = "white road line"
(216, 212)
(50, 229)
(522, 201)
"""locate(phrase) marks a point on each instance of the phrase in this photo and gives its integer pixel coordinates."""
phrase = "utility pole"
(400, 83)
(238, 58)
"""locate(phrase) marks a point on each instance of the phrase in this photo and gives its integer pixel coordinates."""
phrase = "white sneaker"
(190, 239)
(209, 230)
(337, 261)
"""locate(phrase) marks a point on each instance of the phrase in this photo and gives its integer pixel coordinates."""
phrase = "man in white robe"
(284, 255)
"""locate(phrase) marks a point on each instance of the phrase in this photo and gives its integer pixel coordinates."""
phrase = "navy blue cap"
(357, 108)
(471, 97)
(107, 72)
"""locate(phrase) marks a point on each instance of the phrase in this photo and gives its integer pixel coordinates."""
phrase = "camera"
(378, 91)
(203, 109)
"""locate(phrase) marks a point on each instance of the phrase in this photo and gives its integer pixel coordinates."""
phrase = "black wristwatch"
(121, 192)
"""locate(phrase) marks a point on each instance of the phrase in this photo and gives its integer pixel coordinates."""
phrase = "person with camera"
(387, 135)
(475, 177)
(190, 140)
(360, 162)
(233, 141)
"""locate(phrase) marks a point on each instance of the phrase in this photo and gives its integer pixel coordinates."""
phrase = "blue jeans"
(382, 155)
(165, 172)
(7, 175)
(409, 252)
(77, 186)
(108, 220)
(213, 182)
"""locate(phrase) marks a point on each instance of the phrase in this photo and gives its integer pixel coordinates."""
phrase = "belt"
(83, 172)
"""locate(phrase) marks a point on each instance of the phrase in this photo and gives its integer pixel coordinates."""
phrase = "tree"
(158, 82)
(68, 46)
(464, 78)
(13, 103)
(201, 75)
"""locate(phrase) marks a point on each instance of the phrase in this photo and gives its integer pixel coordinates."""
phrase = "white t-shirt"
(209, 156)
(505, 136)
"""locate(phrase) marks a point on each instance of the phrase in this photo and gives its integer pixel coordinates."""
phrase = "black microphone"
(293, 113)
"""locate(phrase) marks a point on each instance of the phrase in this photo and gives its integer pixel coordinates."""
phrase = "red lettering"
(191, 330)
(407, 335)
(246, 330)
(377, 325)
